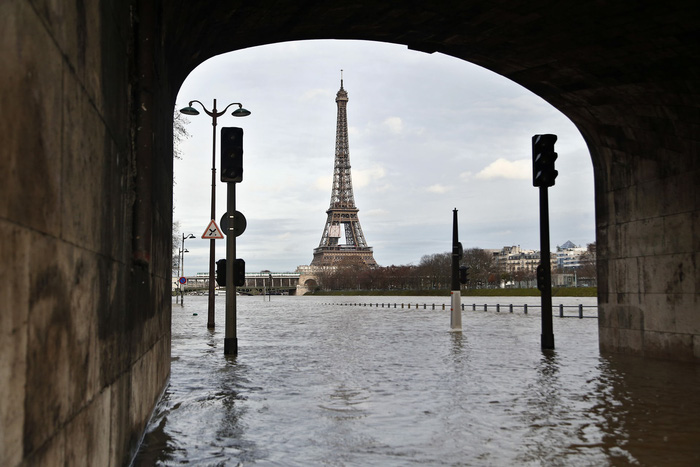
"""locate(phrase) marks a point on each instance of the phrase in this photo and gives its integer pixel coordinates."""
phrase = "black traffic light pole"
(230, 338)
(231, 173)
(545, 279)
(543, 176)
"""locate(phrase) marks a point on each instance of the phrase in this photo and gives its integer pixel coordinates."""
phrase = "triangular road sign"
(213, 232)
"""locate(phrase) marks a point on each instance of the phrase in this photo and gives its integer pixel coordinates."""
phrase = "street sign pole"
(230, 338)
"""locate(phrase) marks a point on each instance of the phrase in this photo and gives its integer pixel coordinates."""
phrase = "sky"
(428, 133)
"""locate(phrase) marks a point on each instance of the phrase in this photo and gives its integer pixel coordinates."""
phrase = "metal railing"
(510, 308)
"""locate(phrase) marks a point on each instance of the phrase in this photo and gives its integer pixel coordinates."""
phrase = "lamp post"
(214, 114)
(181, 267)
(182, 263)
(178, 292)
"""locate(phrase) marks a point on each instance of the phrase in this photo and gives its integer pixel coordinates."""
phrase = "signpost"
(212, 232)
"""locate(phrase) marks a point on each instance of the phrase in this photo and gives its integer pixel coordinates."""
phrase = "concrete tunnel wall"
(85, 222)
(88, 91)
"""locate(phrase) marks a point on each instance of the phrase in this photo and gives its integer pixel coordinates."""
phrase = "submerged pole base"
(456, 311)
(230, 346)
(547, 341)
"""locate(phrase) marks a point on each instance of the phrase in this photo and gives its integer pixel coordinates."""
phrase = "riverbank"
(556, 292)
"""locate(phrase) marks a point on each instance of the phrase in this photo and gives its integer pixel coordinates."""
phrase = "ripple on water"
(318, 384)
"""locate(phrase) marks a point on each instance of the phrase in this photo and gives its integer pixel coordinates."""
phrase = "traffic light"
(221, 272)
(458, 250)
(463, 274)
(239, 273)
(231, 154)
(543, 157)
(541, 281)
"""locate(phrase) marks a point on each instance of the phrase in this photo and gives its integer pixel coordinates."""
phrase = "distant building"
(569, 256)
(514, 259)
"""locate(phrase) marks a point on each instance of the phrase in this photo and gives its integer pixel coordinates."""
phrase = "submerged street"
(321, 384)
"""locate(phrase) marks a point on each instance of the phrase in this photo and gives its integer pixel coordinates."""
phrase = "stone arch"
(622, 74)
(86, 173)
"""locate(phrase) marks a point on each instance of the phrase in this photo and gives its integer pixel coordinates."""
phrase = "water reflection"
(231, 432)
(317, 384)
(651, 409)
(544, 413)
(457, 347)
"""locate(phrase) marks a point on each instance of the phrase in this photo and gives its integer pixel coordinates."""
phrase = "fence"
(498, 307)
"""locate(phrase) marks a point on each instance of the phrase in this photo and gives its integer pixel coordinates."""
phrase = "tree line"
(434, 272)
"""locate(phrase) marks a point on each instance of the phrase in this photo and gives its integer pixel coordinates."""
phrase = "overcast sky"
(428, 133)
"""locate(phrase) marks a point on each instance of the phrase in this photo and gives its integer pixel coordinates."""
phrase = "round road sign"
(183, 280)
(239, 223)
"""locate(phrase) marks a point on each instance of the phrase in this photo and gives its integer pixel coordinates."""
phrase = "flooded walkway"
(319, 384)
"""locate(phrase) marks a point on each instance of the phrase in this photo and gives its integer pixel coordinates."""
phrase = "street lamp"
(214, 114)
(182, 263)
(178, 292)
(180, 271)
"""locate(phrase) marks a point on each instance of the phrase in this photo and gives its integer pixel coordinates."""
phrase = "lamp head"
(190, 236)
(189, 110)
(240, 112)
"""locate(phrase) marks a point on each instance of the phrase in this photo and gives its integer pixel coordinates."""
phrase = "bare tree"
(180, 132)
(176, 246)
(588, 264)
(481, 263)
(436, 270)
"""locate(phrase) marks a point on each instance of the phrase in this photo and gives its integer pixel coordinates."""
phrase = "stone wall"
(85, 296)
(648, 236)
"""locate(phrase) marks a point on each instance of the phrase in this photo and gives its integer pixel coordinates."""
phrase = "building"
(569, 256)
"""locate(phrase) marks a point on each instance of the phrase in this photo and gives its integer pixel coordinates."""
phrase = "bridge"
(285, 283)
(87, 172)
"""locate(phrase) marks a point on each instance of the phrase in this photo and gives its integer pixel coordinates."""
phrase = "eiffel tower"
(342, 211)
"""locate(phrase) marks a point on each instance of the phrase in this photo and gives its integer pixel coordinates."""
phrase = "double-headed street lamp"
(182, 264)
(214, 114)
(180, 258)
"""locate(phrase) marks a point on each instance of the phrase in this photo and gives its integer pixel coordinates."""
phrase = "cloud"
(438, 188)
(363, 177)
(290, 149)
(394, 125)
(314, 94)
(376, 213)
(324, 183)
(502, 168)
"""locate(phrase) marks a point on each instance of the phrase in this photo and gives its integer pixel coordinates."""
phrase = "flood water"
(319, 383)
